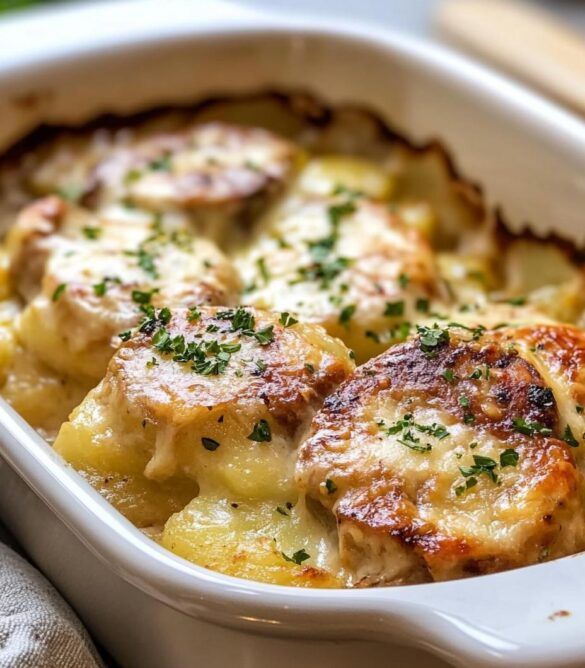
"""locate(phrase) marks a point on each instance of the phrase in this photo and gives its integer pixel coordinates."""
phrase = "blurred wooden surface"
(522, 40)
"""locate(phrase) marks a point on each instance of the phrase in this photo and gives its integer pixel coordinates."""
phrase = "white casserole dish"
(151, 608)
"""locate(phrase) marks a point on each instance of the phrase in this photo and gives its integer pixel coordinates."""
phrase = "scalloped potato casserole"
(292, 347)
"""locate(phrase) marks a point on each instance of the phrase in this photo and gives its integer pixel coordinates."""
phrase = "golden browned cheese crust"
(219, 397)
(89, 277)
(30, 242)
(210, 165)
(205, 278)
(345, 263)
(283, 369)
(450, 458)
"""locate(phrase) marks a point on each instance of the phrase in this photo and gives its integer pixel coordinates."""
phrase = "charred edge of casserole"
(504, 235)
(306, 106)
(309, 109)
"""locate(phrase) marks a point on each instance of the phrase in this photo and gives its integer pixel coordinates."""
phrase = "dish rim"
(408, 614)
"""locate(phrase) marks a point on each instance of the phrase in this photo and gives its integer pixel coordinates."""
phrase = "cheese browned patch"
(346, 263)
(95, 287)
(219, 397)
(447, 456)
(205, 276)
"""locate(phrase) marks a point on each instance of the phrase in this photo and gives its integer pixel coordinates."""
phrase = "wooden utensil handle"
(521, 39)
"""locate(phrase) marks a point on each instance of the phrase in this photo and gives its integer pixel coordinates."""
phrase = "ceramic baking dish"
(151, 608)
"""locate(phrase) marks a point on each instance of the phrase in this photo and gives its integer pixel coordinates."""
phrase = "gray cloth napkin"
(37, 627)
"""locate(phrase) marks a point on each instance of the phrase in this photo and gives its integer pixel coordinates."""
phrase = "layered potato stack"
(291, 348)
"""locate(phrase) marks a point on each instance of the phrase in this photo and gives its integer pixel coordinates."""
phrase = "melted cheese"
(177, 215)
(346, 264)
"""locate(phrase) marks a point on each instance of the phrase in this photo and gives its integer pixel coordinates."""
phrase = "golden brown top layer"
(204, 359)
(195, 272)
(448, 455)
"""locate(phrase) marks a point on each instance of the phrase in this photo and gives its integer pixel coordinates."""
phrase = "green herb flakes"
(298, 557)
(261, 432)
(394, 309)
(91, 233)
(209, 444)
(59, 290)
(346, 314)
(286, 319)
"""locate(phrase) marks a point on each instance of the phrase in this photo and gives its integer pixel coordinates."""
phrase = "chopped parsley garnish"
(531, 428)
(321, 248)
(208, 358)
(91, 233)
(449, 375)
(397, 333)
(132, 175)
(261, 365)
(261, 264)
(153, 319)
(330, 486)
(485, 466)
(569, 438)
(240, 318)
(481, 465)
(422, 305)
(100, 289)
(125, 336)
(194, 314)
(509, 458)
(464, 401)
(298, 557)
(143, 297)
(286, 319)
(468, 484)
(261, 432)
(209, 443)
(162, 164)
(341, 189)
(346, 314)
(338, 211)
(59, 290)
(310, 368)
(475, 374)
(324, 271)
(476, 332)
(403, 280)
(394, 309)
(146, 263)
(432, 338)
(407, 428)
(71, 192)
(164, 315)
(152, 362)
(264, 336)
(162, 341)
(243, 321)
(516, 301)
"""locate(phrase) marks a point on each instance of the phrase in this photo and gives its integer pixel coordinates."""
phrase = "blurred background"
(541, 42)
(412, 15)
